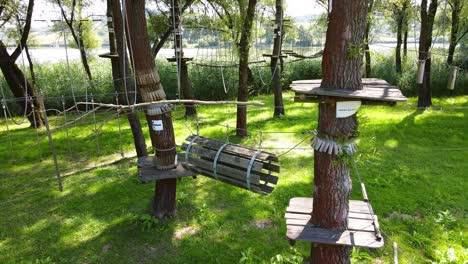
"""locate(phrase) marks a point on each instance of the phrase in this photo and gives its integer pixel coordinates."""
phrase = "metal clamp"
(215, 162)
(187, 152)
(249, 169)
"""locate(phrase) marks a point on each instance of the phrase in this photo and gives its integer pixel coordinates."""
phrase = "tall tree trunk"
(399, 41)
(456, 9)
(244, 48)
(276, 60)
(181, 63)
(405, 42)
(332, 184)
(425, 41)
(150, 89)
(21, 88)
(121, 73)
(366, 45)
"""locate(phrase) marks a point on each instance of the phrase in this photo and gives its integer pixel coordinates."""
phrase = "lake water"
(57, 54)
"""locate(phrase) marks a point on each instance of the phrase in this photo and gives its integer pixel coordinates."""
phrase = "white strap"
(189, 147)
(215, 162)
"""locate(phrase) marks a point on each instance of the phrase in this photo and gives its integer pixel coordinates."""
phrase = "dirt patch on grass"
(179, 234)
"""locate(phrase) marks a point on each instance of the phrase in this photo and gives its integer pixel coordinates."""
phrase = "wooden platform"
(361, 229)
(148, 171)
(373, 91)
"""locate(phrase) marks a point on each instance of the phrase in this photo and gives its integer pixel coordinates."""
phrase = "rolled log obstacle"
(240, 166)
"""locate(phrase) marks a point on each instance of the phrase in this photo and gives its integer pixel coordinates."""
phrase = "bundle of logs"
(244, 167)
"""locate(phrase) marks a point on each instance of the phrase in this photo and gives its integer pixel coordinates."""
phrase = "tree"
(400, 10)
(79, 29)
(425, 41)
(341, 66)
(276, 58)
(455, 36)
(150, 89)
(18, 82)
(244, 48)
(366, 45)
(121, 70)
(184, 81)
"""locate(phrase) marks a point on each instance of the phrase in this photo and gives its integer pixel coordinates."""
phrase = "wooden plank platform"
(360, 233)
(148, 172)
(372, 90)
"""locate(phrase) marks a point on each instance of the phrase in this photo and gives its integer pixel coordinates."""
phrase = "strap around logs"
(187, 152)
(249, 169)
(215, 162)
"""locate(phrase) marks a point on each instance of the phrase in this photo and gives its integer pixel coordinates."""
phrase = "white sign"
(347, 108)
(158, 125)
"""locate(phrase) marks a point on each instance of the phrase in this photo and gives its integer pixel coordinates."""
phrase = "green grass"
(413, 163)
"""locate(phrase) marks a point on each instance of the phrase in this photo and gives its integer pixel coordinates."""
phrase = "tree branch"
(25, 34)
(159, 43)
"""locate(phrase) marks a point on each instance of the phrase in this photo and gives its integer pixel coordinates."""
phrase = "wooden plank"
(365, 81)
(230, 159)
(257, 167)
(301, 215)
(303, 205)
(234, 149)
(333, 237)
(255, 177)
(373, 89)
(354, 224)
(224, 170)
(261, 189)
(149, 174)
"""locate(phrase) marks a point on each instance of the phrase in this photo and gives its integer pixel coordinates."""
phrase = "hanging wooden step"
(374, 91)
(149, 170)
(174, 59)
(244, 167)
(274, 56)
(109, 55)
(363, 228)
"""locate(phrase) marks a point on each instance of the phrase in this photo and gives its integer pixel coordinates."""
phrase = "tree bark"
(150, 89)
(244, 48)
(366, 45)
(341, 70)
(19, 85)
(181, 63)
(399, 42)
(121, 73)
(456, 9)
(276, 61)
(21, 88)
(425, 41)
(405, 43)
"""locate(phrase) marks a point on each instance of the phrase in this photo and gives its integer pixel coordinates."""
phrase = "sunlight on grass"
(412, 161)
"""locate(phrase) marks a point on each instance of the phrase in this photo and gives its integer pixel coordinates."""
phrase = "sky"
(294, 8)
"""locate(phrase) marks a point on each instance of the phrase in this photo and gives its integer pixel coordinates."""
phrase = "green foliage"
(384, 67)
(146, 221)
(248, 257)
(360, 256)
(400, 147)
(294, 258)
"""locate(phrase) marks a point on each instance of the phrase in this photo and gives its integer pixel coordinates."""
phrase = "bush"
(383, 67)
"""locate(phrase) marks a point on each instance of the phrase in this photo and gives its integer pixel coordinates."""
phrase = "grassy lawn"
(414, 164)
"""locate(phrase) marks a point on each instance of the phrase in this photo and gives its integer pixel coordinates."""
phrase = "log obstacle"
(240, 166)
